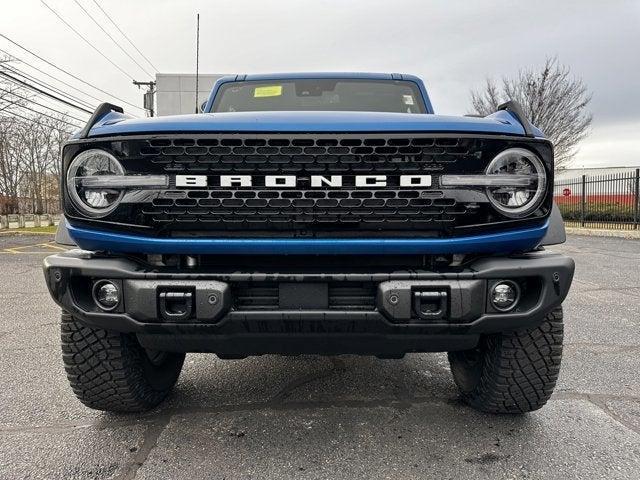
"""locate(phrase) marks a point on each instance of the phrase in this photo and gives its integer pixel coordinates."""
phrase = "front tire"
(110, 370)
(512, 372)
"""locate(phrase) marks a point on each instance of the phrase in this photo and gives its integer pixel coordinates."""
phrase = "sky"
(453, 45)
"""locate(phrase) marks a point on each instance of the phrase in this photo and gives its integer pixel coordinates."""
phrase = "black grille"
(276, 208)
(312, 155)
(256, 296)
(250, 296)
(304, 210)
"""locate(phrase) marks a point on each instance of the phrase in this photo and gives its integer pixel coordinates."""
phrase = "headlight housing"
(527, 190)
(94, 201)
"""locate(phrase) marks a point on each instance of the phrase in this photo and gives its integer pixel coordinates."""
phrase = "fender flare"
(62, 234)
(556, 233)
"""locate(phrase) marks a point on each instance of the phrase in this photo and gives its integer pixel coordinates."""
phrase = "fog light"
(505, 295)
(106, 295)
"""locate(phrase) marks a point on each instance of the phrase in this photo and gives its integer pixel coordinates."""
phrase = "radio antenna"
(197, 58)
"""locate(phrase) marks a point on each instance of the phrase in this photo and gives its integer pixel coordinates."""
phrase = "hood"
(115, 123)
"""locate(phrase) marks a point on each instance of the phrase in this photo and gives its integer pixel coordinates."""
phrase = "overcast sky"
(453, 46)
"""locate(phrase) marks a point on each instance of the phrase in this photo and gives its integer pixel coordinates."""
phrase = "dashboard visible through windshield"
(356, 95)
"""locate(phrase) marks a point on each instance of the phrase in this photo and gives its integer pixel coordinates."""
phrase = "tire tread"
(105, 368)
(519, 369)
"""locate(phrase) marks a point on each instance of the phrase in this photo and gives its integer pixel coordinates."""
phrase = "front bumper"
(390, 327)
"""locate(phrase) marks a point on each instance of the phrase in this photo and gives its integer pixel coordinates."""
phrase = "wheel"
(111, 371)
(513, 372)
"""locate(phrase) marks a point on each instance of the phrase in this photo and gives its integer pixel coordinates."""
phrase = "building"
(176, 92)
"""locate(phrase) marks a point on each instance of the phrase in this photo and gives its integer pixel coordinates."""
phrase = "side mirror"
(204, 104)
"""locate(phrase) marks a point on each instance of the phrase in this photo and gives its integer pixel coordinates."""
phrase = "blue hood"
(115, 123)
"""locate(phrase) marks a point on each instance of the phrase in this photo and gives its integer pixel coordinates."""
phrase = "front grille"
(250, 296)
(303, 211)
(300, 208)
(313, 155)
(285, 209)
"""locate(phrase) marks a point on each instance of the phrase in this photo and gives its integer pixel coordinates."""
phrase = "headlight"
(91, 198)
(527, 191)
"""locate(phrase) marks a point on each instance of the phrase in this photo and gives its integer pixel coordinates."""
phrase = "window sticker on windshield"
(407, 99)
(270, 91)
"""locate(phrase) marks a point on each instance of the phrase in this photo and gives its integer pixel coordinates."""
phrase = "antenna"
(197, 57)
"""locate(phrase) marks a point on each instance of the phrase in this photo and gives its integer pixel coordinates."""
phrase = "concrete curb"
(595, 232)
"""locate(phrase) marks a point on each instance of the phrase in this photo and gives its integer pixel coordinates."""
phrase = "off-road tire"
(512, 372)
(110, 370)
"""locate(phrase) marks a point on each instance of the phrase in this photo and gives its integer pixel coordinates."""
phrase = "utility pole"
(148, 102)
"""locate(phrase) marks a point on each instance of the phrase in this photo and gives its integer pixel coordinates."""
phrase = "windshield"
(396, 96)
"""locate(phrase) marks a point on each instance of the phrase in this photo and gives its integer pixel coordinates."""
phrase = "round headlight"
(527, 191)
(94, 201)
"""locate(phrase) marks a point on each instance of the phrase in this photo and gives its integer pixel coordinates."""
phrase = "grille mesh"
(304, 207)
(313, 155)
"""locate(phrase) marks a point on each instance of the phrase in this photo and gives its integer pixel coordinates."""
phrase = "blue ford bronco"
(310, 214)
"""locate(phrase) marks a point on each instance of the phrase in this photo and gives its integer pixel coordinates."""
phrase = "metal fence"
(600, 201)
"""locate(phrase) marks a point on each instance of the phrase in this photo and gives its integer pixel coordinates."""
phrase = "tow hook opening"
(430, 304)
(175, 306)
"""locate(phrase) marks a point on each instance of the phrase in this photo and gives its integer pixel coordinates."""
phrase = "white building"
(176, 92)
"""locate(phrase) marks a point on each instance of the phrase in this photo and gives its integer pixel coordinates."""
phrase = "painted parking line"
(48, 247)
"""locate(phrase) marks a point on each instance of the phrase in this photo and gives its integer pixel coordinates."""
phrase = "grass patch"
(50, 230)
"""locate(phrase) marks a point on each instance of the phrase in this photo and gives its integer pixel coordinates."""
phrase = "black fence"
(600, 201)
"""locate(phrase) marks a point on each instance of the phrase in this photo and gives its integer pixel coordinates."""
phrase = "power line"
(43, 84)
(112, 39)
(125, 35)
(54, 97)
(68, 73)
(18, 59)
(41, 105)
(86, 41)
(48, 116)
(26, 118)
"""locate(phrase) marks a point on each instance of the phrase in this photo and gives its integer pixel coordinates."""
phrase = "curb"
(24, 232)
(595, 232)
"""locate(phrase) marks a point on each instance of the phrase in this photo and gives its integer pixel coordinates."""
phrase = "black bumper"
(302, 321)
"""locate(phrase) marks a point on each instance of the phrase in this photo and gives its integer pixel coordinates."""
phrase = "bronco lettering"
(291, 181)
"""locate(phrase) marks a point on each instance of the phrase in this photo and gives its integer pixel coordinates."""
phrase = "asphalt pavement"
(341, 417)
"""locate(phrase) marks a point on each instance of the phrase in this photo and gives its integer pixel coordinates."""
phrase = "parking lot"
(317, 417)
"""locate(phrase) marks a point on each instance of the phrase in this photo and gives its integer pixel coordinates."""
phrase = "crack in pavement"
(618, 290)
(599, 400)
(612, 348)
(287, 390)
(605, 408)
(164, 416)
(149, 442)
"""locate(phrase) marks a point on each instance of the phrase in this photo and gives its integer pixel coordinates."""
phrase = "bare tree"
(30, 146)
(38, 156)
(11, 170)
(554, 101)
(10, 94)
